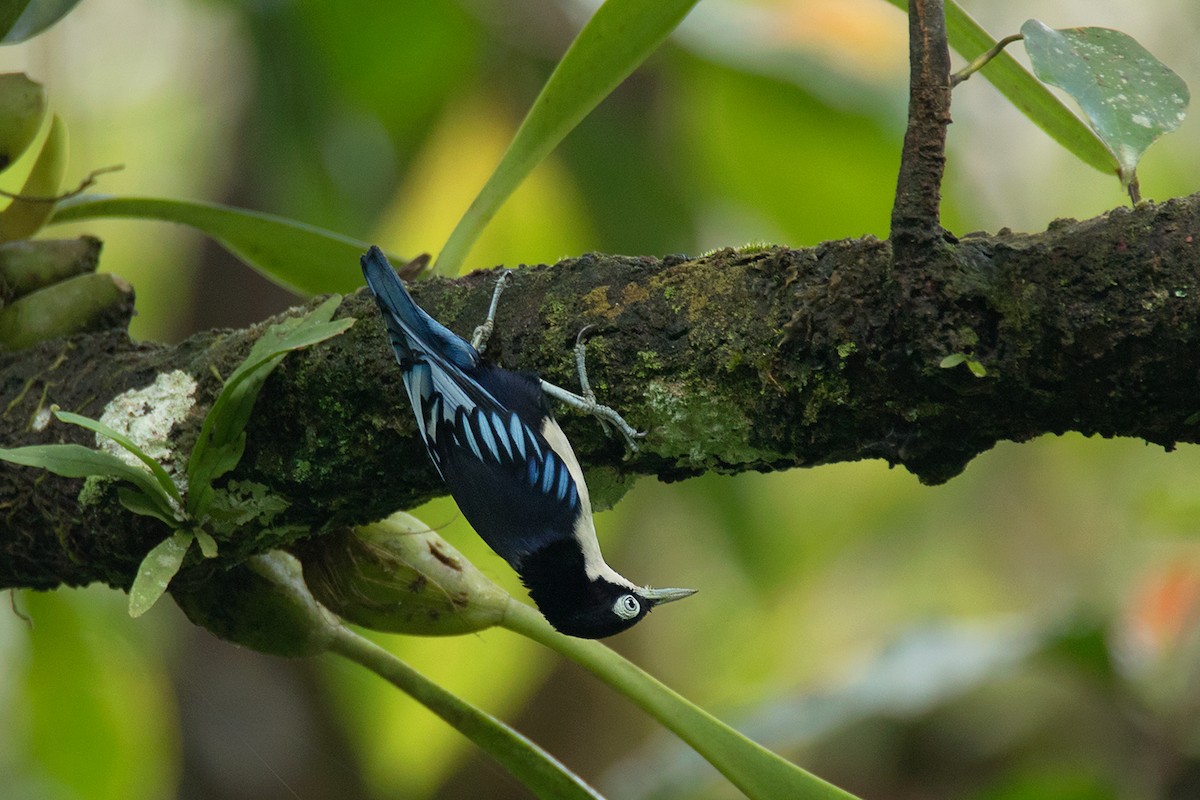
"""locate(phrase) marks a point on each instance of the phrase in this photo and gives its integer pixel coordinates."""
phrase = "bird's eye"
(627, 607)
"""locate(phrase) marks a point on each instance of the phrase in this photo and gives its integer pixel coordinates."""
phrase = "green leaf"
(77, 461)
(240, 503)
(300, 257)
(26, 214)
(222, 436)
(615, 41)
(36, 18)
(916, 674)
(139, 502)
(952, 360)
(156, 571)
(208, 545)
(538, 771)
(10, 12)
(1130, 97)
(753, 769)
(1024, 91)
(160, 474)
(22, 112)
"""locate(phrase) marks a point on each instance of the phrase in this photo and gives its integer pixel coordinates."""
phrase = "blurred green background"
(1028, 630)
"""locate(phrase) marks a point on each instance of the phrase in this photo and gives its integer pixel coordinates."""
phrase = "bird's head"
(583, 606)
(609, 609)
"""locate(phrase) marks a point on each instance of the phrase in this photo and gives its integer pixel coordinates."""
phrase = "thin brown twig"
(85, 184)
(21, 615)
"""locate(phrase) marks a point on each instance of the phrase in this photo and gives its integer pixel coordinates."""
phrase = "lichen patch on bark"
(147, 416)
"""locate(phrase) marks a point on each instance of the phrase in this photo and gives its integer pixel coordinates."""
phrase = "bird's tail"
(411, 330)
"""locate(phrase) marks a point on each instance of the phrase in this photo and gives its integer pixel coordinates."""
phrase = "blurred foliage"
(1060, 578)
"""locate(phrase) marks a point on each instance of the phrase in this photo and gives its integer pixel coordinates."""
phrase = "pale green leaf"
(1024, 91)
(77, 461)
(300, 257)
(96, 426)
(208, 545)
(952, 360)
(615, 41)
(759, 773)
(156, 571)
(1129, 96)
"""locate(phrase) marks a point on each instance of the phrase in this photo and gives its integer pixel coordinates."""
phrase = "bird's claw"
(479, 338)
(585, 401)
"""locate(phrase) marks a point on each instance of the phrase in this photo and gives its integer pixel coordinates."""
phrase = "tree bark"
(761, 359)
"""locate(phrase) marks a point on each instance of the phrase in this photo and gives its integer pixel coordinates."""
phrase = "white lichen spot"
(1141, 119)
(147, 415)
(41, 419)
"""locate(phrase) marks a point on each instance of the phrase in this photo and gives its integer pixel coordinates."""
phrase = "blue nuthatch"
(495, 442)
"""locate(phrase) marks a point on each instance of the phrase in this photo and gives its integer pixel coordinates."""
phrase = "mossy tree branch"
(739, 360)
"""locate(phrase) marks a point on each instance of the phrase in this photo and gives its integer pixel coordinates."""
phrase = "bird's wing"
(513, 488)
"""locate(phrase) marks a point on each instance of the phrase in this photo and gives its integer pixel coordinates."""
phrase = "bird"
(493, 439)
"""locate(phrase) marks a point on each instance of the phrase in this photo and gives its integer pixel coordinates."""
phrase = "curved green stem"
(752, 768)
(531, 765)
(983, 58)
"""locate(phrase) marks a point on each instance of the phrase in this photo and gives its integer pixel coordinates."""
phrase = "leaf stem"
(534, 767)
(752, 768)
(981, 60)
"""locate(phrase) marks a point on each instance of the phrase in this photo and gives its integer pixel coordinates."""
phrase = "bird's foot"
(608, 417)
(479, 338)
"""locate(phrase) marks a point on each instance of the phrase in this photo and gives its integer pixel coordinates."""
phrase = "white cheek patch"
(585, 529)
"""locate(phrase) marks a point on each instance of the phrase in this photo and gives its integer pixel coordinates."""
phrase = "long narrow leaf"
(1024, 91)
(756, 771)
(156, 469)
(303, 258)
(615, 41)
(537, 770)
(77, 461)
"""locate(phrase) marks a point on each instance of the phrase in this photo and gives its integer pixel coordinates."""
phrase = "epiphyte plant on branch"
(494, 440)
(620, 35)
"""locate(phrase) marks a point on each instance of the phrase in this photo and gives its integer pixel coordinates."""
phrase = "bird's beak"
(660, 596)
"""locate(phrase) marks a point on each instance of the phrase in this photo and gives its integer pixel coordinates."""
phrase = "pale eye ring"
(627, 607)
